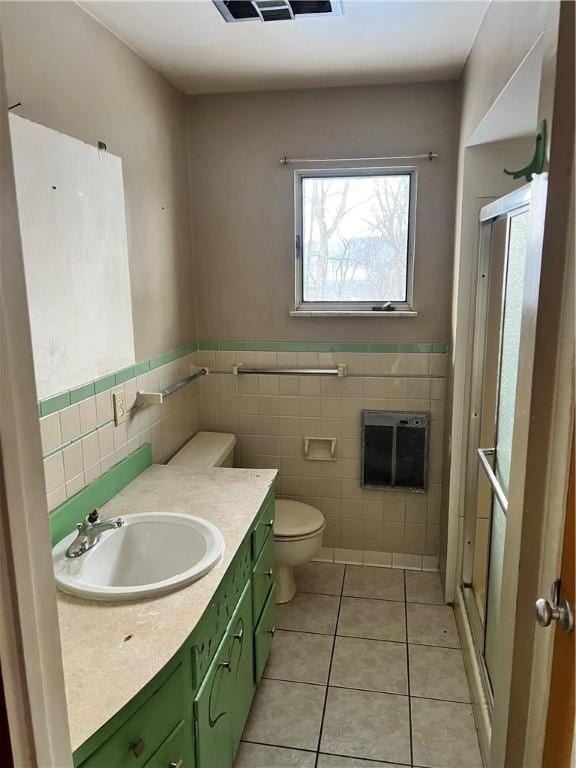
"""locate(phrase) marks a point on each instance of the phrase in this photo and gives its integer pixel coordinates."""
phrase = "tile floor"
(365, 671)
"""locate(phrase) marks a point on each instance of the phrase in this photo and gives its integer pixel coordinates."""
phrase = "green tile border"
(71, 397)
(74, 510)
(323, 346)
(81, 393)
(104, 383)
(53, 404)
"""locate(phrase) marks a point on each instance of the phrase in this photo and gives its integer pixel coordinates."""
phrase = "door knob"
(556, 609)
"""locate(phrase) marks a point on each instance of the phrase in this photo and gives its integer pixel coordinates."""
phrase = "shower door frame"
(505, 208)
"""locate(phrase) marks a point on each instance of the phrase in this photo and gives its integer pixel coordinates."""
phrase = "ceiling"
(375, 41)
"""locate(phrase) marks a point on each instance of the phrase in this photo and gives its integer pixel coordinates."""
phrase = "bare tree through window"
(355, 237)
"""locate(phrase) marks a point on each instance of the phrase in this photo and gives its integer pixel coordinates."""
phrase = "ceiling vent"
(276, 10)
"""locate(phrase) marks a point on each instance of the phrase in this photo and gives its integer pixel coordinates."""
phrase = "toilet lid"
(294, 518)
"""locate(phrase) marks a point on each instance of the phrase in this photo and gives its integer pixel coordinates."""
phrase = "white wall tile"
(87, 410)
(70, 423)
(410, 562)
(381, 559)
(352, 556)
(130, 388)
(54, 472)
(106, 440)
(56, 498)
(107, 462)
(72, 456)
(120, 436)
(74, 485)
(50, 432)
(90, 450)
(92, 473)
(104, 407)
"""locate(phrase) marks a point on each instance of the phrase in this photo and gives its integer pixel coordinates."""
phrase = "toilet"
(298, 532)
(206, 449)
(298, 527)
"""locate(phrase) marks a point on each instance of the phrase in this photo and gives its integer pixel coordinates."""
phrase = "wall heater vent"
(276, 10)
(395, 450)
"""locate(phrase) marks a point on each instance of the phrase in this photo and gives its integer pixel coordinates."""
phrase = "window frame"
(349, 308)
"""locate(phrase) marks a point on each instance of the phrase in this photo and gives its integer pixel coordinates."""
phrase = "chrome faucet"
(89, 533)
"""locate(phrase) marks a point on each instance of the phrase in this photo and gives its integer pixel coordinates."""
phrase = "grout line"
(366, 690)
(330, 670)
(363, 637)
(277, 746)
(408, 674)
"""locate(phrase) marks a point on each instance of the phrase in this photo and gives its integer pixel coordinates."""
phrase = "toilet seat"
(295, 520)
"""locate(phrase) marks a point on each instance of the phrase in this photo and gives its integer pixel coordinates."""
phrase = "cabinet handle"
(239, 635)
(178, 764)
(137, 747)
(272, 630)
(213, 720)
(269, 524)
(269, 573)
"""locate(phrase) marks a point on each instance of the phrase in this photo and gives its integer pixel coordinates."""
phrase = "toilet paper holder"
(328, 455)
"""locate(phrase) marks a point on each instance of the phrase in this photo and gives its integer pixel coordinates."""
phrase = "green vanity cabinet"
(193, 713)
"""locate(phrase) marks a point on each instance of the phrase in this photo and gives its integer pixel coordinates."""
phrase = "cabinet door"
(241, 679)
(177, 751)
(213, 715)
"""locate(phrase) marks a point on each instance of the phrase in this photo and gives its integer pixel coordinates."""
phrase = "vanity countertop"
(103, 670)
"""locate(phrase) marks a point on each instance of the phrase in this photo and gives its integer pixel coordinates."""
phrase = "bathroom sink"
(151, 554)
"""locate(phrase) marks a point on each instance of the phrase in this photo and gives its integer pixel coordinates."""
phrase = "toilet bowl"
(298, 532)
(298, 527)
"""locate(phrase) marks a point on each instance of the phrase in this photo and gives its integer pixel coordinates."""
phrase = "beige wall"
(75, 77)
(242, 202)
(508, 32)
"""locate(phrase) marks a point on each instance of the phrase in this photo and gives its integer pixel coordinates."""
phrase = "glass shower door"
(499, 478)
(504, 240)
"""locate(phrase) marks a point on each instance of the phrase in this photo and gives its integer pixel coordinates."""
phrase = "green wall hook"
(536, 165)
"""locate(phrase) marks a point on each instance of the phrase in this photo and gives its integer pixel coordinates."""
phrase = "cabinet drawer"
(136, 741)
(262, 527)
(177, 751)
(263, 577)
(264, 634)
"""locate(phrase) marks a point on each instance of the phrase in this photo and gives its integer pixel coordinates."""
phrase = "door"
(559, 738)
(505, 227)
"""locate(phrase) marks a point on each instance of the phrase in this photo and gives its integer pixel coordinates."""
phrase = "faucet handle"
(93, 516)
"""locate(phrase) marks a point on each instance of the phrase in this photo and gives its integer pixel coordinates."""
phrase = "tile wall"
(272, 414)
(80, 441)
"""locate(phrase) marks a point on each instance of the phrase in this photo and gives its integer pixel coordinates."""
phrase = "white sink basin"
(151, 554)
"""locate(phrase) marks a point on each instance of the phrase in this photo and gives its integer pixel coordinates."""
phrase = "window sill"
(353, 313)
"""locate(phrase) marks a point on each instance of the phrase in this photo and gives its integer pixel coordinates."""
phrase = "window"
(354, 240)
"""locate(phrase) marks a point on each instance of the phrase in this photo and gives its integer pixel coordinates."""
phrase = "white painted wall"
(73, 224)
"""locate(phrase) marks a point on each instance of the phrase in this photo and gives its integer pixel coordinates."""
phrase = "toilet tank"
(206, 449)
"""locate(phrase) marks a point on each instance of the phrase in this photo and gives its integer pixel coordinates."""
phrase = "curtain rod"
(284, 161)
